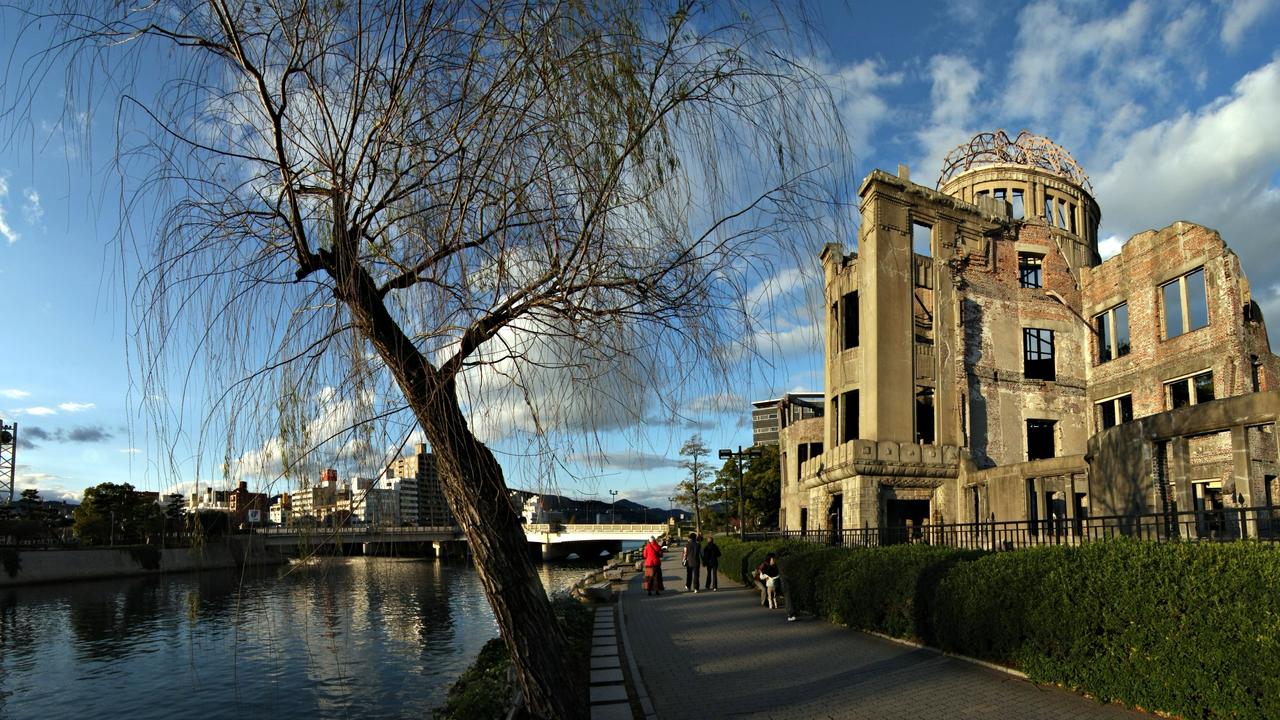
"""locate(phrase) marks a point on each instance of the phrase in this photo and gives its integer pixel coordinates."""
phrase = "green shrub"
(1190, 629)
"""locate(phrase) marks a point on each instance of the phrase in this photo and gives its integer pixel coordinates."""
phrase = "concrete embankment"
(27, 567)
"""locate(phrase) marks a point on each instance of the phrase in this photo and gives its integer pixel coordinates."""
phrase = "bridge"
(551, 540)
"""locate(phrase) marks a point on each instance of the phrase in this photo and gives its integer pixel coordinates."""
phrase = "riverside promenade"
(722, 655)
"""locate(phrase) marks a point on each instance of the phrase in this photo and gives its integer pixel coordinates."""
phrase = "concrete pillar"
(1240, 477)
(1179, 475)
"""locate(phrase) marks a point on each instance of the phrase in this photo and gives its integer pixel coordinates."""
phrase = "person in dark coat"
(711, 561)
(691, 559)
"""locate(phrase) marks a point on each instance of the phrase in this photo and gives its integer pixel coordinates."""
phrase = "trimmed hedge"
(1187, 629)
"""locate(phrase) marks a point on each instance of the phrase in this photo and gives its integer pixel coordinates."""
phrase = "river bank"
(31, 567)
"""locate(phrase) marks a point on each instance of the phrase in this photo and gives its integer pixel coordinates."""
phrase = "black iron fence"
(1214, 525)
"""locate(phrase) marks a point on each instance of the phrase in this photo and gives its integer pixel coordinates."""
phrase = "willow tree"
(539, 211)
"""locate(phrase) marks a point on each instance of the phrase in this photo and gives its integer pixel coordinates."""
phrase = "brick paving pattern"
(722, 655)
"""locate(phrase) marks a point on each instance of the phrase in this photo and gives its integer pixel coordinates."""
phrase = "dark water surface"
(347, 637)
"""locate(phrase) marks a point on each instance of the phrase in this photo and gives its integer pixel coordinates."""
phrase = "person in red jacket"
(652, 567)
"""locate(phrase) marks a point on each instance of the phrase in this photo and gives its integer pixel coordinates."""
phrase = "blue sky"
(1171, 107)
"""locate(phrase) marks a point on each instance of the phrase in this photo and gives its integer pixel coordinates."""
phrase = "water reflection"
(367, 637)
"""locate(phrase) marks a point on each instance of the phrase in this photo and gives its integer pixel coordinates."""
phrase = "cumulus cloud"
(954, 82)
(1215, 166)
(75, 407)
(14, 394)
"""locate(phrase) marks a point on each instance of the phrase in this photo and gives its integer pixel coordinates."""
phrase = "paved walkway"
(722, 655)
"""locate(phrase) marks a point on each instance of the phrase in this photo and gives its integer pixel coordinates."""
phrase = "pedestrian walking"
(691, 558)
(652, 553)
(711, 561)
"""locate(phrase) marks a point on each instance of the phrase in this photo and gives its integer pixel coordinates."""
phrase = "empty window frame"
(1030, 270)
(1037, 354)
(1113, 332)
(849, 320)
(1040, 439)
(849, 424)
(924, 415)
(1048, 208)
(922, 239)
(1114, 411)
(1062, 214)
(1019, 209)
(1186, 305)
(1191, 390)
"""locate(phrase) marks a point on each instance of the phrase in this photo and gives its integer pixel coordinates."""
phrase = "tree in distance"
(690, 491)
(450, 209)
(113, 513)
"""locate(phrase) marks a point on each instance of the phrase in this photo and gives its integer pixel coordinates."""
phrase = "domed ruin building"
(983, 365)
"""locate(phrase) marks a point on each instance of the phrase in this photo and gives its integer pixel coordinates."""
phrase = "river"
(347, 637)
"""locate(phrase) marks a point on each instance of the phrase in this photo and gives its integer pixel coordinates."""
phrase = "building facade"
(769, 417)
(431, 508)
(982, 363)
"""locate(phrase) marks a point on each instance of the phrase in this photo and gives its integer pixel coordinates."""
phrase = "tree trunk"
(478, 496)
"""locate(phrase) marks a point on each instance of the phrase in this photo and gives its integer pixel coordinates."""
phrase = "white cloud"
(32, 211)
(856, 89)
(6, 230)
(1082, 76)
(14, 394)
(1215, 166)
(1110, 246)
(1239, 15)
(75, 407)
(38, 410)
(954, 84)
(130, 451)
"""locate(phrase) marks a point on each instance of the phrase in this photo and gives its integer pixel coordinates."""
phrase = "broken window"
(1115, 411)
(1029, 270)
(922, 239)
(1048, 209)
(1040, 440)
(1113, 332)
(1191, 390)
(849, 320)
(1071, 216)
(1062, 214)
(1185, 304)
(1019, 210)
(850, 424)
(1037, 354)
(924, 415)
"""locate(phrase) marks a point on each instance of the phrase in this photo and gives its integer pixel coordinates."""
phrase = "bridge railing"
(597, 528)
(363, 530)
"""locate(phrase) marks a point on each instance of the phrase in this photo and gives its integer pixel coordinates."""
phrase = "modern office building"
(768, 417)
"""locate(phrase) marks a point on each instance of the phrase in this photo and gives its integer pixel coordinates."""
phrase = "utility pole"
(751, 452)
(613, 511)
(8, 460)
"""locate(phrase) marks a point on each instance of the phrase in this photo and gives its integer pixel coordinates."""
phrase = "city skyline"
(1166, 106)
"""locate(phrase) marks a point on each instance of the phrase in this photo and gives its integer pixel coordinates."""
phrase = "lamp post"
(613, 510)
(751, 452)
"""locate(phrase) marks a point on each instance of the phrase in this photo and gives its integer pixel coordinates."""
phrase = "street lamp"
(750, 452)
(613, 511)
